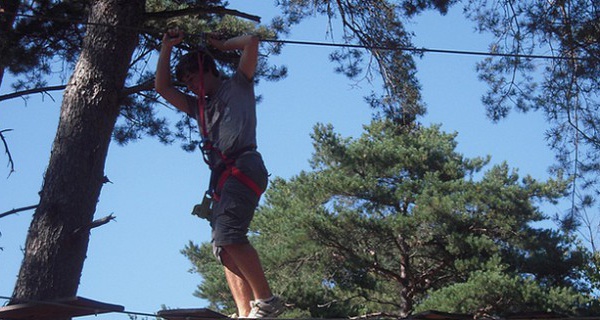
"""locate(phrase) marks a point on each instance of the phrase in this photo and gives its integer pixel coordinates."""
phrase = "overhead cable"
(316, 43)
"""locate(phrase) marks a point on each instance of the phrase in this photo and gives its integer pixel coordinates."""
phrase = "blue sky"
(136, 261)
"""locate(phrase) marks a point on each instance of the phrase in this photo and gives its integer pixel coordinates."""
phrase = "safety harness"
(207, 147)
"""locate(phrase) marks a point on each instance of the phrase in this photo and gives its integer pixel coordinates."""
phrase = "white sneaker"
(266, 309)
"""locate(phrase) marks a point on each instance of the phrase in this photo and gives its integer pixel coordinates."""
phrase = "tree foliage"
(374, 25)
(397, 221)
(394, 221)
(564, 89)
(38, 36)
(105, 46)
(42, 35)
(30, 46)
(494, 291)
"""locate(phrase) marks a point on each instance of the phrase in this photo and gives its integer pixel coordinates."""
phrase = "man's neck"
(215, 86)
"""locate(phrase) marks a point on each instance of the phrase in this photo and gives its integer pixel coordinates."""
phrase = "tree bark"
(54, 252)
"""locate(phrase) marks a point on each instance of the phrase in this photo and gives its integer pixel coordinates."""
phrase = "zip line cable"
(311, 43)
(189, 317)
(192, 317)
(420, 50)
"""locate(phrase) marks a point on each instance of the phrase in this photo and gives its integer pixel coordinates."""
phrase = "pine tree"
(59, 233)
(564, 89)
(110, 41)
(397, 217)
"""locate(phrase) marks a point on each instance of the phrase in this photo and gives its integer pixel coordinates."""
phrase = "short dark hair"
(189, 64)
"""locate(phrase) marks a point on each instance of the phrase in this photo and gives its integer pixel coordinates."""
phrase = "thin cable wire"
(146, 314)
(155, 315)
(98, 310)
(315, 43)
(422, 50)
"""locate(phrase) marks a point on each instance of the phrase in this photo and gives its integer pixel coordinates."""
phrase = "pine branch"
(11, 163)
(31, 91)
(191, 11)
(13, 211)
(144, 86)
(94, 224)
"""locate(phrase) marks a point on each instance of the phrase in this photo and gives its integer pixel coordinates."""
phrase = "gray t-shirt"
(230, 115)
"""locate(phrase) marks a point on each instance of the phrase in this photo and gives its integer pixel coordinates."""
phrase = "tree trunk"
(58, 237)
(405, 278)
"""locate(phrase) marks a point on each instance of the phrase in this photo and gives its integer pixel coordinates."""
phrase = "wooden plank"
(190, 314)
(535, 315)
(61, 308)
(438, 315)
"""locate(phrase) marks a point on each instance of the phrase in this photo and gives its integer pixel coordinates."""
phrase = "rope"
(313, 43)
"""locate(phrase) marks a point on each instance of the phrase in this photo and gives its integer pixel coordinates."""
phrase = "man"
(227, 124)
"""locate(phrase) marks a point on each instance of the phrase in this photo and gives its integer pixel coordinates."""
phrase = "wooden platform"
(438, 315)
(61, 308)
(190, 314)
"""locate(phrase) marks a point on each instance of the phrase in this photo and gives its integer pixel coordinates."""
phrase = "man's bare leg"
(246, 260)
(239, 287)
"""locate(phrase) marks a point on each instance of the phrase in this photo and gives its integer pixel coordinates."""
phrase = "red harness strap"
(207, 147)
(235, 172)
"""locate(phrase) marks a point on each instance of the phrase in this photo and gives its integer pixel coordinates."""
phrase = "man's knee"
(222, 253)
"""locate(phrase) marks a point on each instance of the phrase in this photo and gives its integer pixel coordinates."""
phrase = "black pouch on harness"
(204, 209)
